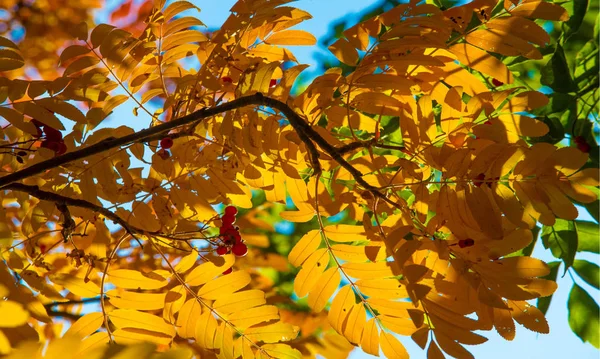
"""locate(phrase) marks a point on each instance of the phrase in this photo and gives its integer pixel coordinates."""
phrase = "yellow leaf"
(521, 27)
(392, 308)
(43, 115)
(280, 351)
(76, 285)
(529, 316)
(206, 328)
(143, 217)
(370, 270)
(180, 24)
(89, 344)
(355, 253)
(71, 52)
(355, 323)
(225, 285)
(370, 338)
(177, 7)
(261, 79)
(133, 300)
(504, 324)
(17, 119)
(305, 247)
(311, 272)
(247, 318)
(207, 271)
(186, 263)
(501, 42)
(340, 307)
(224, 341)
(298, 216)
(132, 279)
(402, 326)
(382, 288)
(391, 347)
(240, 301)
(187, 318)
(344, 52)
(86, 325)
(126, 318)
(324, 289)
(345, 233)
(13, 314)
(452, 347)
(63, 348)
(291, 37)
(174, 300)
(540, 10)
(127, 336)
(113, 102)
(272, 333)
(482, 61)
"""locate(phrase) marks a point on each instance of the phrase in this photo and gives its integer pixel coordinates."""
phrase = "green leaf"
(544, 302)
(587, 235)
(587, 66)
(562, 240)
(583, 316)
(556, 73)
(588, 271)
(579, 8)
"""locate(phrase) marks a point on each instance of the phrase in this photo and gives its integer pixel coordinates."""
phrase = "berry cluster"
(230, 236)
(582, 144)
(53, 139)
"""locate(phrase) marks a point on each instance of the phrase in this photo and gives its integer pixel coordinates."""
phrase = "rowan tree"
(417, 171)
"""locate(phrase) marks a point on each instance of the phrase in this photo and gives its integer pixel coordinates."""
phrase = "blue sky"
(561, 342)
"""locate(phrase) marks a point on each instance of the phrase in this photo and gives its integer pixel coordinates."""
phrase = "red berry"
(584, 147)
(52, 134)
(579, 139)
(43, 248)
(478, 181)
(166, 143)
(230, 211)
(497, 82)
(228, 271)
(272, 83)
(227, 79)
(228, 219)
(239, 249)
(222, 250)
(466, 243)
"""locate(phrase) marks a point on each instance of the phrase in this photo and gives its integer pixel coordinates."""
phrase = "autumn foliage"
(158, 228)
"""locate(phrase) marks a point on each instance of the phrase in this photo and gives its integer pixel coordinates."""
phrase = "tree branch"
(306, 133)
(36, 192)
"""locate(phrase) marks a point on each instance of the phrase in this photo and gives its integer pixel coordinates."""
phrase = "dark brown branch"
(36, 192)
(306, 133)
(110, 143)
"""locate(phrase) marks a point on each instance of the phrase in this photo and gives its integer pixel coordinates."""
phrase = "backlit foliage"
(425, 143)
